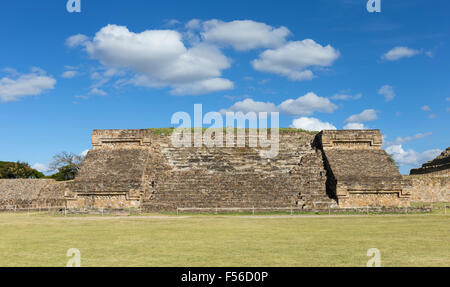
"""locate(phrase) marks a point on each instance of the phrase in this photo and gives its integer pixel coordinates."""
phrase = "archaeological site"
(141, 169)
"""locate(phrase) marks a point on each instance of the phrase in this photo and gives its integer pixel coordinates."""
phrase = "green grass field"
(404, 240)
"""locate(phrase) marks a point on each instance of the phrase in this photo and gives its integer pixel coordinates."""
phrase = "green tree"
(67, 165)
(18, 170)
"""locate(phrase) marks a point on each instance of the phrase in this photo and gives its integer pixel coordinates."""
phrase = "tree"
(18, 170)
(67, 164)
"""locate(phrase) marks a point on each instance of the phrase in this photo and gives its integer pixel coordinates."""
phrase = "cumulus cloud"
(160, 57)
(411, 157)
(16, 86)
(249, 105)
(398, 53)
(311, 124)
(243, 35)
(388, 92)
(355, 126)
(307, 105)
(77, 40)
(302, 106)
(364, 116)
(294, 59)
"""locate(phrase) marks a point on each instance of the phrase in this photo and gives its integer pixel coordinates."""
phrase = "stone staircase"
(240, 178)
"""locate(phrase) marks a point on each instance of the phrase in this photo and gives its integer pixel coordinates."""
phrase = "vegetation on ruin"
(403, 240)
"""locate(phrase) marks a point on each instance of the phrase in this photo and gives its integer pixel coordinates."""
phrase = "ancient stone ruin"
(431, 182)
(439, 165)
(142, 169)
(132, 168)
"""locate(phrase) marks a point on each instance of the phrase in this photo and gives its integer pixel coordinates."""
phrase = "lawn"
(403, 240)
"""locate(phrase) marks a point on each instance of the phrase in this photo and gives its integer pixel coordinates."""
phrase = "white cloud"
(400, 140)
(302, 106)
(355, 126)
(398, 53)
(307, 105)
(160, 57)
(411, 157)
(69, 74)
(243, 35)
(346, 97)
(98, 92)
(203, 87)
(388, 92)
(20, 85)
(40, 167)
(193, 24)
(249, 105)
(77, 40)
(364, 116)
(294, 58)
(426, 108)
(311, 124)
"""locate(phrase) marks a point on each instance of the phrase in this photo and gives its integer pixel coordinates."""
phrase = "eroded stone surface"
(141, 169)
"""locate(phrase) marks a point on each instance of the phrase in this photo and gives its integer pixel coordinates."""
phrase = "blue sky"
(132, 64)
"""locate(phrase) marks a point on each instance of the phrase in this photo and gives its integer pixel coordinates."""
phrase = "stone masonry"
(140, 168)
(431, 182)
(360, 172)
(31, 193)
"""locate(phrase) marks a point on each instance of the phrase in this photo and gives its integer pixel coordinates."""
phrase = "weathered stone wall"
(112, 173)
(350, 139)
(360, 173)
(230, 177)
(431, 182)
(142, 169)
(31, 193)
(130, 168)
(428, 188)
